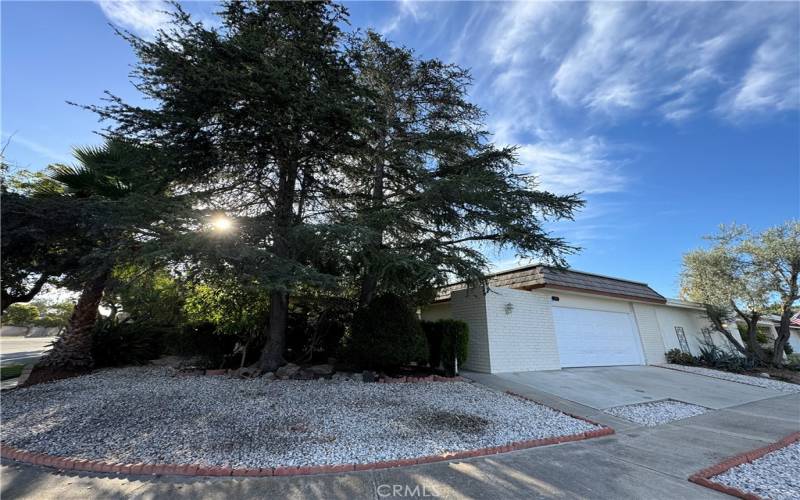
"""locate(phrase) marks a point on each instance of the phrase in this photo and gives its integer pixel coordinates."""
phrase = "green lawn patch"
(11, 371)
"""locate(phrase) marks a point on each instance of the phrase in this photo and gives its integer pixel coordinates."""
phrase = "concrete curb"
(704, 476)
(82, 465)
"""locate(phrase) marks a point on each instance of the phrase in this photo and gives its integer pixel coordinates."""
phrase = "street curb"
(704, 476)
(82, 465)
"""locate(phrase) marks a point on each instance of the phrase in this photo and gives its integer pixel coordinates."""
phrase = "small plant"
(678, 357)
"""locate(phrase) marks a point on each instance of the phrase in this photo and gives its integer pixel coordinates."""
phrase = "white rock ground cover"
(656, 413)
(777, 385)
(776, 475)
(149, 415)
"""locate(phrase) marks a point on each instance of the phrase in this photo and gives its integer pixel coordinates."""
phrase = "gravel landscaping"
(776, 475)
(150, 415)
(766, 383)
(657, 412)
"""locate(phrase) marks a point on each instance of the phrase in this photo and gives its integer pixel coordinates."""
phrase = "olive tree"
(740, 276)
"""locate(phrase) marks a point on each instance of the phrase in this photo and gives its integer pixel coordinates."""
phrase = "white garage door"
(596, 338)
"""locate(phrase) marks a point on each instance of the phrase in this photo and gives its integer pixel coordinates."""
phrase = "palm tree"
(112, 183)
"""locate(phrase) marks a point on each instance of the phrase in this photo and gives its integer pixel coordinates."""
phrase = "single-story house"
(542, 318)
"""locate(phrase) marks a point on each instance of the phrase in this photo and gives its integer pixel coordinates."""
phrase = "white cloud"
(16, 139)
(143, 17)
(772, 82)
(574, 165)
(406, 9)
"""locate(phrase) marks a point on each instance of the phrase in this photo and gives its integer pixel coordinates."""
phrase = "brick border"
(703, 477)
(82, 465)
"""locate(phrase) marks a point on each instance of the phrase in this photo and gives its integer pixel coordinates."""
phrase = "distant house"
(541, 318)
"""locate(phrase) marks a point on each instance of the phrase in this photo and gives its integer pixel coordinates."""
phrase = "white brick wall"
(470, 306)
(649, 332)
(523, 339)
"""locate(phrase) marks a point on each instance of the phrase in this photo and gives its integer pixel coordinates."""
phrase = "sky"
(670, 118)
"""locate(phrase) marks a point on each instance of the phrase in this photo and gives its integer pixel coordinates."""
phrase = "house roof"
(540, 276)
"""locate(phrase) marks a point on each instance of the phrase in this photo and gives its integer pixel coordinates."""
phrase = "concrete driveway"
(606, 387)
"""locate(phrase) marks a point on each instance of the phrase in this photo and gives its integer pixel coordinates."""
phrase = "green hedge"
(448, 340)
(385, 335)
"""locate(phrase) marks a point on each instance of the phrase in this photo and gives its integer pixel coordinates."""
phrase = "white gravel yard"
(657, 412)
(148, 415)
(777, 385)
(776, 475)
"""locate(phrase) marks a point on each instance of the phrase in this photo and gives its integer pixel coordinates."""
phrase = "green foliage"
(125, 343)
(202, 340)
(21, 314)
(788, 349)
(714, 357)
(232, 307)
(679, 357)
(793, 360)
(11, 371)
(385, 335)
(448, 340)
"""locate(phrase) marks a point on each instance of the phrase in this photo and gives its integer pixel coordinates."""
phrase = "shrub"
(679, 357)
(788, 349)
(203, 340)
(119, 344)
(455, 344)
(447, 340)
(385, 334)
(793, 361)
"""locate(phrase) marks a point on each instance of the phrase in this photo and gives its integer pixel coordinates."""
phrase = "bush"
(793, 361)
(788, 349)
(678, 357)
(455, 344)
(714, 357)
(203, 340)
(119, 344)
(385, 335)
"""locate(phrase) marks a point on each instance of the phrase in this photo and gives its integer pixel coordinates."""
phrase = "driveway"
(606, 387)
(636, 462)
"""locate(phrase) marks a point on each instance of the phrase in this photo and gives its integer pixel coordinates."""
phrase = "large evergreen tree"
(428, 190)
(257, 114)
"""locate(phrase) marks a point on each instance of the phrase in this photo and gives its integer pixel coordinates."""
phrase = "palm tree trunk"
(72, 351)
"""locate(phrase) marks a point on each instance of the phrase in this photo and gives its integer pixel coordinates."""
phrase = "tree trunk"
(272, 355)
(786, 316)
(369, 282)
(72, 351)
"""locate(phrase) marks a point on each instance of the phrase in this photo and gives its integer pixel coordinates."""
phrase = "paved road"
(21, 350)
(635, 463)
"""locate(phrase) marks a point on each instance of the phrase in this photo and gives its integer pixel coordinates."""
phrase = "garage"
(588, 337)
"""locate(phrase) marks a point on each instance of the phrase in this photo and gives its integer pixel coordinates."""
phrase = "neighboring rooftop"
(540, 276)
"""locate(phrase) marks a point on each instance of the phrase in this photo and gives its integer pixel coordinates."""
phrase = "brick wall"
(649, 332)
(470, 306)
(522, 337)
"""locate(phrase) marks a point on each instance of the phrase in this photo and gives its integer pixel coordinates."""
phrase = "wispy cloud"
(574, 165)
(406, 10)
(44, 151)
(143, 17)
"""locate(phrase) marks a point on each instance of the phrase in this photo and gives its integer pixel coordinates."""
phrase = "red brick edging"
(704, 476)
(11, 453)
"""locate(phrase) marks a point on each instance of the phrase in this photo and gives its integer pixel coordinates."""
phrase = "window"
(682, 339)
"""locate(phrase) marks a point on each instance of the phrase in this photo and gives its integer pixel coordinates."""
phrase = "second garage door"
(588, 337)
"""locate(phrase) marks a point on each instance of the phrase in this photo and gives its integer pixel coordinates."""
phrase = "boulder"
(322, 370)
(269, 376)
(287, 371)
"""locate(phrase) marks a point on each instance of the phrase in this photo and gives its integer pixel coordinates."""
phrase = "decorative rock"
(269, 376)
(216, 372)
(246, 372)
(322, 370)
(287, 371)
(764, 375)
(304, 374)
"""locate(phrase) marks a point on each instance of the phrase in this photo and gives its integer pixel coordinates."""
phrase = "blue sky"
(672, 118)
